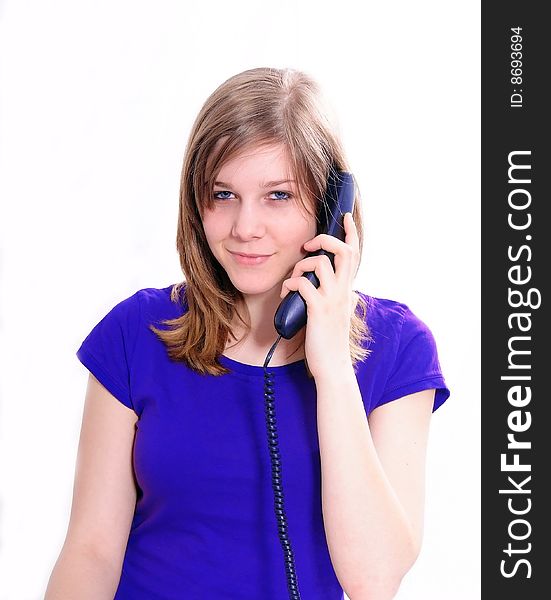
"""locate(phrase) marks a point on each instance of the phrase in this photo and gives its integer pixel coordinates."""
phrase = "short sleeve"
(416, 365)
(108, 349)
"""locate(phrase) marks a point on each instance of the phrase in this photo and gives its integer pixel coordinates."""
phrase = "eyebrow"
(265, 185)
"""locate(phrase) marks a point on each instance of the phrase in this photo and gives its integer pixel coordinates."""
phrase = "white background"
(97, 100)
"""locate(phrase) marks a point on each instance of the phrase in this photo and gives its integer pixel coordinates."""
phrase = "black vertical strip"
(516, 340)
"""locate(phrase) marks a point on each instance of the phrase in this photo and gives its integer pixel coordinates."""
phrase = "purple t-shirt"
(204, 523)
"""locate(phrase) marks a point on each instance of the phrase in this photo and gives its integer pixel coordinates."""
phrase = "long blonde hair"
(260, 106)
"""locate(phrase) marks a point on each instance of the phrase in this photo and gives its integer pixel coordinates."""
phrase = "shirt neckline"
(258, 371)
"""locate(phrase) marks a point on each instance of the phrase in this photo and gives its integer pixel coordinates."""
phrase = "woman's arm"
(373, 480)
(104, 498)
(81, 573)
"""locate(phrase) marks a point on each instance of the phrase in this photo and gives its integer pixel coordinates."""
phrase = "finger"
(320, 265)
(351, 235)
(325, 241)
(352, 241)
(346, 260)
(304, 287)
(331, 243)
(309, 264)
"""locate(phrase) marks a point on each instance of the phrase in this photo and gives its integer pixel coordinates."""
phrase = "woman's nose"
(248, 222)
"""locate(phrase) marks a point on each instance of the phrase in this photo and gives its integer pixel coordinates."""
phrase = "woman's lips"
(251, 259)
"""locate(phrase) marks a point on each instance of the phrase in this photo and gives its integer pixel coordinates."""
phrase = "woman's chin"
(256, 287)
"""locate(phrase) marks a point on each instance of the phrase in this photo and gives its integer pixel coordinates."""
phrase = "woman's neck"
(251, 349)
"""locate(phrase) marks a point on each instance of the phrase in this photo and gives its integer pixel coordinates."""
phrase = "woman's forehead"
(273, 154)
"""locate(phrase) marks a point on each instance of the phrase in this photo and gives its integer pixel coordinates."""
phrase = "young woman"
(175, 495)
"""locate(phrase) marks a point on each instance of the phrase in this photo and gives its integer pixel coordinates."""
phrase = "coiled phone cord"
(277, 486)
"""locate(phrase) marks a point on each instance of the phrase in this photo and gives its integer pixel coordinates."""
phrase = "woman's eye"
(218, 197)
(285, 193)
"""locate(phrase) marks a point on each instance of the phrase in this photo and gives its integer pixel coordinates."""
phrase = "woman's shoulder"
(384, 312)
(162, 302)
(393, 320)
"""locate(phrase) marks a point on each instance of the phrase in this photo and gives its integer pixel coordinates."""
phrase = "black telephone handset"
(289, 318)
(339, 199)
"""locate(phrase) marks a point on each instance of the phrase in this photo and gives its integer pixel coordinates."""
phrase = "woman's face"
(256, 212)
